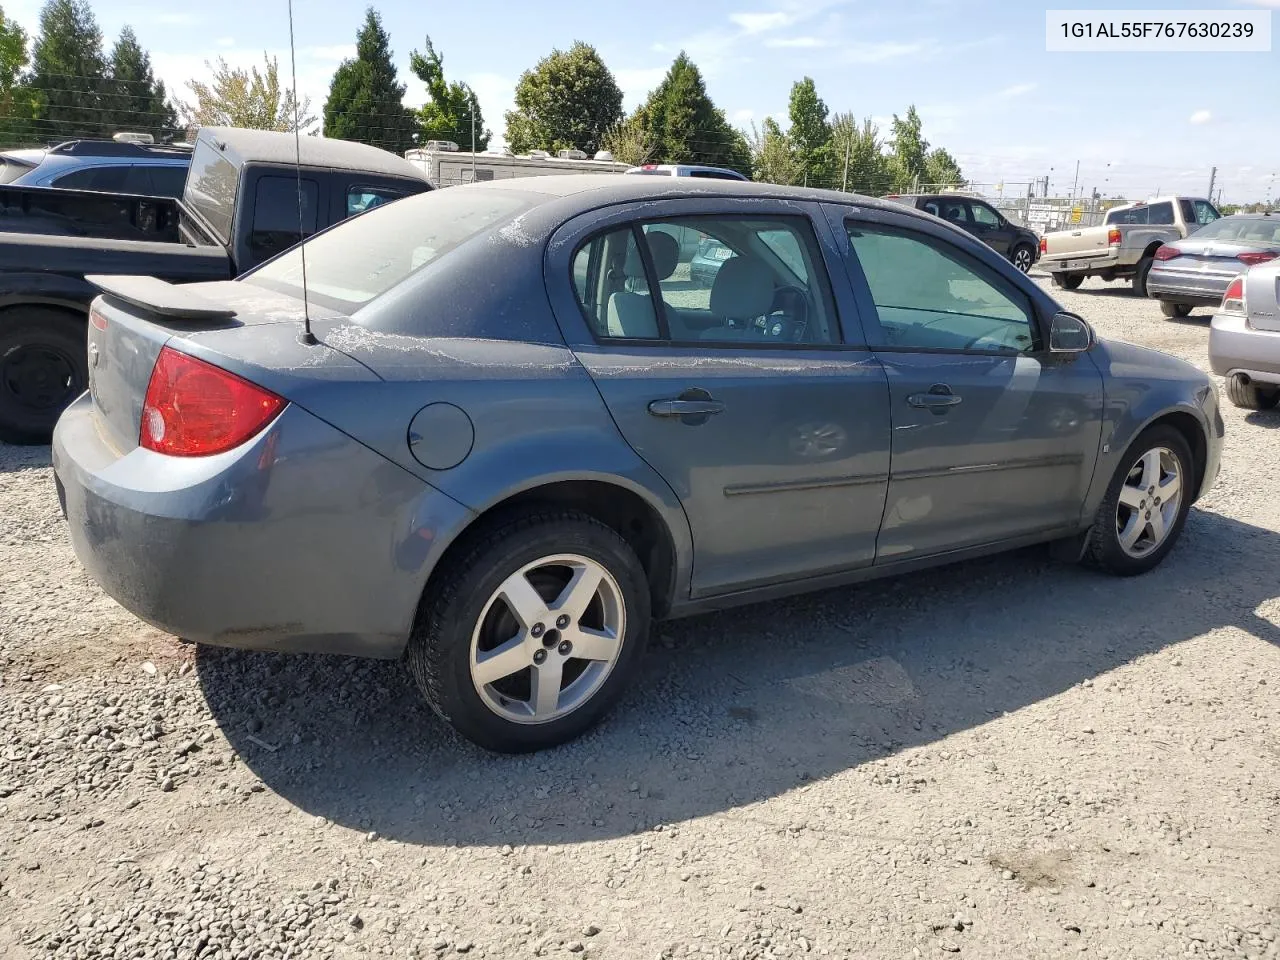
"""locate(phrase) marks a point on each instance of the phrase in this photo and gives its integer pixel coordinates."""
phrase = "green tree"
(69, 74)
(810, 133)
(909, 150)
(628, 142)
(858, 152)
(16, 105)
(567, 101)
(684, 126)
(448, 114)
(366, 99)
(941, 169)
(772, 158)
(138, 100)
(246, 98)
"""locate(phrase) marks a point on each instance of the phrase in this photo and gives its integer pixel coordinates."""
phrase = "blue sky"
(976, 69)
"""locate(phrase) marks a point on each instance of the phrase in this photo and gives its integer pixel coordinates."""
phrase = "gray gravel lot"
(1010, 758)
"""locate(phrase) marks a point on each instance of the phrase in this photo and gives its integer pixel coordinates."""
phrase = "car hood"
(1129, 361)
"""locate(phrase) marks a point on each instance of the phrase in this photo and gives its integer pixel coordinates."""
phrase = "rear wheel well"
(625, 512)
(1152, 248)
(1189, 427)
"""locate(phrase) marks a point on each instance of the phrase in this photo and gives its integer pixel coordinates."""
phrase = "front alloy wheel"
(1149, 502)
(1022, 258)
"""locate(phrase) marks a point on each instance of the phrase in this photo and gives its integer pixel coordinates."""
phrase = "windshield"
(367, 255)
(1258, 230)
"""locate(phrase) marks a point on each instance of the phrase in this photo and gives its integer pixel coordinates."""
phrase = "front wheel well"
(1190, 428)
(616, 507)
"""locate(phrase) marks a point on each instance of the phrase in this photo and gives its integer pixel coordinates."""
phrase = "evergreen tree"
(69, 74)
(138, 99)
(448, 115)
(568, 101)
(684, 126)
(366, 99)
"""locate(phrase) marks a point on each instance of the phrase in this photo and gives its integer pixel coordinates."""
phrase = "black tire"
(1023, 256)
(1068, 281)
(1104, 550)
(43, 367)
(1171, 310)
(439, 652)
(1249, 396)
(1139, 280)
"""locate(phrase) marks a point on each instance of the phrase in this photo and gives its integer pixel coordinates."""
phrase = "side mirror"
(1069, 334)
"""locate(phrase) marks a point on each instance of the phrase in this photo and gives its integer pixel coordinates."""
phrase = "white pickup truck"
(1124, 244)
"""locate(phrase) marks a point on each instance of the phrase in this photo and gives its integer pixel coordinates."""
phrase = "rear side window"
(1160, 213)
(105, 180)
(211, 188)
(167, 181)
(360, 199)
(276, 214)
(1132, 215)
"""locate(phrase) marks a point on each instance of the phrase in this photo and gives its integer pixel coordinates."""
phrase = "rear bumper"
(300, 540)
(1236, 348)
(1084, 264)
(1188, 286)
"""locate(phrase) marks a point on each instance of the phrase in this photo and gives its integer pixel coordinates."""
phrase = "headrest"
(742, 289)
(664, 250)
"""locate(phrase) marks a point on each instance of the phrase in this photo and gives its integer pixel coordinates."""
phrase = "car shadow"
(15, 458)
(737, 706)
(1269, 419)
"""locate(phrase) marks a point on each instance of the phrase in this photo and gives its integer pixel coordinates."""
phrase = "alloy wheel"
(547, 639)
(1149, 501)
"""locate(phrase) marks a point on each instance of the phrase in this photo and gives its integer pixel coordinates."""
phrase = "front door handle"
(685, 408)
(939, 399)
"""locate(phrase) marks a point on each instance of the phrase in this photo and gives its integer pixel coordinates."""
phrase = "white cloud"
(797, 43)
(762, 22)
(742, 118)
(1201, 116)
(176, 19)
(334, 53)
(636, 84)
(225, 42)
(886, 51)
(1017, 90)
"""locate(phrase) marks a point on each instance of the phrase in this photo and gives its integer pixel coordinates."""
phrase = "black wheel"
(43, 367)
(1140, 276)
(1068, 281)
(1175, 309)
(1146, 504)
(1250, 396)
(1023, 256)
(533, 632)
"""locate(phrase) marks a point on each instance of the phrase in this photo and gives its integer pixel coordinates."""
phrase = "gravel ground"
(1007, 759)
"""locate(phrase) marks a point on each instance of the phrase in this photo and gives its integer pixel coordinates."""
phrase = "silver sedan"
(1244, 340)
(1196, 271)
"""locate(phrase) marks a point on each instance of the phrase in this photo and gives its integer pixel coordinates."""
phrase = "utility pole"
(1213, 175)
(848, 142)
(1076, 181)
(473, 137)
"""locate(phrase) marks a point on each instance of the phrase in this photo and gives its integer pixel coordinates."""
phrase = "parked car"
(686, 170)
(1016, 244)
(1196, 271)
(710, 256)
(1125, 244)
(109, 166)
(504, 474)
(239, 209)
(1244, 337)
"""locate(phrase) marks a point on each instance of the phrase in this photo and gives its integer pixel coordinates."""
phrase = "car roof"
(269, 146)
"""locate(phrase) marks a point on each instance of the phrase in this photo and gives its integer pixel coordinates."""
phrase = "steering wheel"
(793, 304)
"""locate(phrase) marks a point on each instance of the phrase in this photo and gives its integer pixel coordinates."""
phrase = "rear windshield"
(364, 257)
(1259, 230)
(11, 170)
(211, 188)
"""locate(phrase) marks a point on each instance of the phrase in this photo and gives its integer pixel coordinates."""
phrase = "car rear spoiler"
(160, 297)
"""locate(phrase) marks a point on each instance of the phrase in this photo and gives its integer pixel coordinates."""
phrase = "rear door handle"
(685, 408)
(938, 398)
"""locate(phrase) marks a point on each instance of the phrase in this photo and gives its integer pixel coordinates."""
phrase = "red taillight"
(1233, 299)
(1044, 245)
(194, 409)
(649, 166)
(1167, 252)
(1252, 258)
(1113, 237)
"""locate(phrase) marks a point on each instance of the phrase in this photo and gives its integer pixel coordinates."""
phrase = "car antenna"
(307, 337)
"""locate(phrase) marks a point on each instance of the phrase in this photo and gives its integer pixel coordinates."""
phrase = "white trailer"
(447, 166)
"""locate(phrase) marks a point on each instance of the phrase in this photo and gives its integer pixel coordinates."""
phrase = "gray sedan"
(507, 434)
(1244, 338)
(1196, 271)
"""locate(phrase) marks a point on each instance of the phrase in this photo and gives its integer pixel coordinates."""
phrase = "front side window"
(984, 215)
(1206, 212)
(954, 211)
(751, 281)
(930, 297)
(1160, 213)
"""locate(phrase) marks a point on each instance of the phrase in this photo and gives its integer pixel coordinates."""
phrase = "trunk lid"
(1262, 296)
(1084, 242)
(248, 330)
